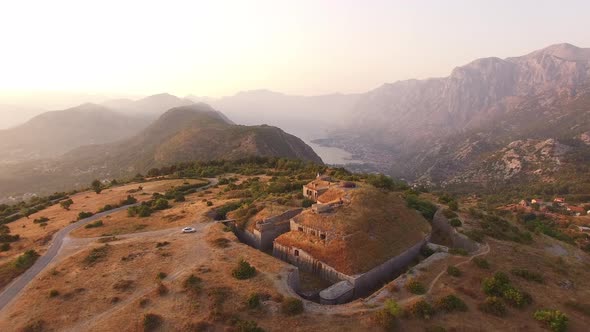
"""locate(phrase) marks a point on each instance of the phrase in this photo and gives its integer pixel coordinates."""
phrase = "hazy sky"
(304, 47)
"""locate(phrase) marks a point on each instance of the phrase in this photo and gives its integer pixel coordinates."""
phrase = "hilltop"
(184, 134)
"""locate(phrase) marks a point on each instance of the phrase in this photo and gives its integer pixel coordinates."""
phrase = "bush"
(141, 211)
(426, 208)
(95, 224)
(84, 215)
(496, 285)
(179, 198)
(209, 203)
(453, 205)
(292, 306)
(482, 263)
(151, 322)
(193, 284)
(306, 203)
(493, 305)
(128, 201)
(517, 298)
(161, 276)
(4, 247)
(66, 204)
(455, 222)
(475, 234)
(528, 275)
(253, 301)
(449, 214)
(422, 309)
(454, 271)
(393, 308)
(450, 303)
(244, 270)
(385, 320)
(160, 204)
(554, 319)
(415, 287)
(26, 260)
(40, 220)
(53, 293)
(97, 255)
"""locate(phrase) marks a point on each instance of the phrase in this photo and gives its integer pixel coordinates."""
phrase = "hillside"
(455, 129)
(53, 133)
(188, 133)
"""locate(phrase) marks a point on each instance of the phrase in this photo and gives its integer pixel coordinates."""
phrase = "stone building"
(362, 239)
(317, 187)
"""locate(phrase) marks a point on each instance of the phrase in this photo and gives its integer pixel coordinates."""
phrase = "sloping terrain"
(184, 134)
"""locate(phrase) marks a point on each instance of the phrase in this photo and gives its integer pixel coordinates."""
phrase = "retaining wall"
(445, 234)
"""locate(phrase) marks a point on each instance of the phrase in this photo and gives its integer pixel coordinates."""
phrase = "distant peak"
(564, 51)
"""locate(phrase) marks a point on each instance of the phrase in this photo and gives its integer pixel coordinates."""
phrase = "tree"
(66, 204)
(96, 186)
(26, 212)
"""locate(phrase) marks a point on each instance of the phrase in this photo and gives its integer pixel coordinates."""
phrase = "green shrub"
(528, 275)
(4, 247)
(453, 205)
(141, 211)
(517, 298)
(40, 220)
(455, 222)
(422, 309)
(482, 263)
(161, 276)
(306, 203)
(179, 198)
(393, 308)
(415, 287)
(209, 203)
(244, 270)
(66, 204)
(97, 255)
(454, 271)
(160, 204)
(26, 260)
(151, 322)
(291, 306)
(128, 201)
(493, 305)
(53, 293)
(193, 284)
(553, 319)
(95, 224)
(253, 301)
(426, 208)
(385, 320)
(84, 215)
(496, 285)
(450, 303)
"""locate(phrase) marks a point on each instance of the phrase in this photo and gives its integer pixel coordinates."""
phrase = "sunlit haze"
(214, 48)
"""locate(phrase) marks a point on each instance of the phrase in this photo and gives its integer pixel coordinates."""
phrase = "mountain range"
(490, 122)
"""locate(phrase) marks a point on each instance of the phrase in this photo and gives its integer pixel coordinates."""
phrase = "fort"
(355, 238)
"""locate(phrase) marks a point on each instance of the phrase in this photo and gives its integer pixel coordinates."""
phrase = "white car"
(188, 230)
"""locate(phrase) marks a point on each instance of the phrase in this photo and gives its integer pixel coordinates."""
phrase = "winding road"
(16, 286)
